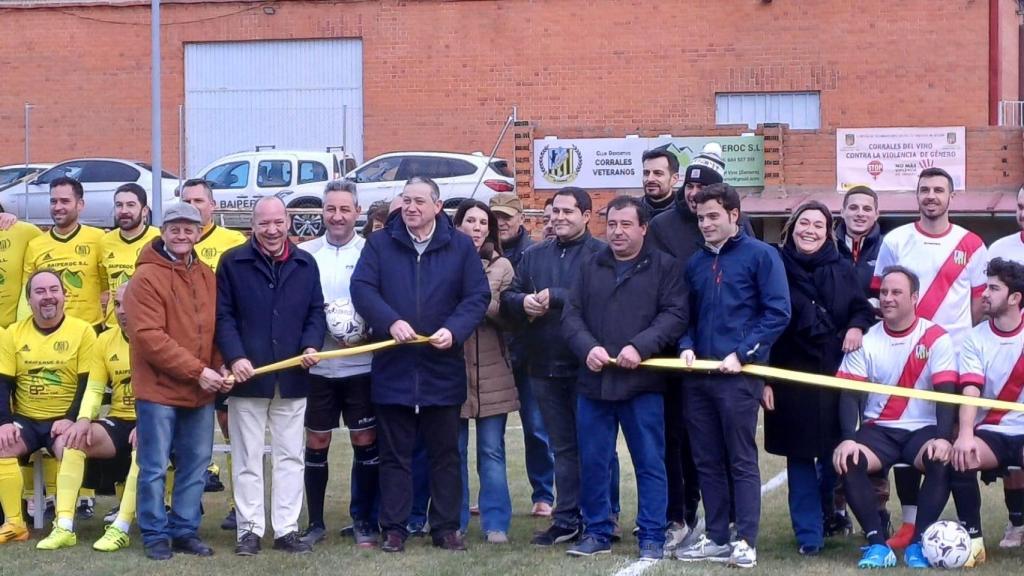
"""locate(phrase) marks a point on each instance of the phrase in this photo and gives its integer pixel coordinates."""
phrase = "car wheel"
(307, 225)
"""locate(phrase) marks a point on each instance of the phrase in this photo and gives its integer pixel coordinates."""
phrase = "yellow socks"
(126, 512)
(69, 483)
(51, 467)
(11, 486)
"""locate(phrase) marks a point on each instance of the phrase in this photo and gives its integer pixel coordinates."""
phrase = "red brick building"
(444, 74)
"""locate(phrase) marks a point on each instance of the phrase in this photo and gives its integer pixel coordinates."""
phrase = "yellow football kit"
(76, 259)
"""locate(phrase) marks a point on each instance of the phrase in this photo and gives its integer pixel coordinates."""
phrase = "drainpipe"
(993, 62)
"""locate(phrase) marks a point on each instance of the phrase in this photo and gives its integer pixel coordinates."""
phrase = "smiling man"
(44, 364)
(120, 248)
(660, 176)
(270, 307)
(72, 250)
(858, 235)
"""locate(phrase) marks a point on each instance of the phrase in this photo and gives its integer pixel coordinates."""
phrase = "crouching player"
(112, 437)
(44, 363)
(910, 352)
(991, 366)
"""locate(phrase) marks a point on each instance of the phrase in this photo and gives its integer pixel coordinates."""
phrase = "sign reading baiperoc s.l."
(611, 163)
(890, 159)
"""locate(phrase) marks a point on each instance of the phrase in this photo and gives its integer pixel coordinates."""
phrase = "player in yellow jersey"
(215, 240)
(14, 241)
(72, 250)
(112, 437)
(213, 243)
(44, 361)
(119, 248)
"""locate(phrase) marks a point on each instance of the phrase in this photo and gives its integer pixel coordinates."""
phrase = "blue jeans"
(495, 502)
(188, 433)
(643, 424)
(540, 460)
(811, 484)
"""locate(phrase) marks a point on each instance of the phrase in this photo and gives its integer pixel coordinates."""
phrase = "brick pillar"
(774, 156)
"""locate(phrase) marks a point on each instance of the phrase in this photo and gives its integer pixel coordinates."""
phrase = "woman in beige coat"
(492, 390)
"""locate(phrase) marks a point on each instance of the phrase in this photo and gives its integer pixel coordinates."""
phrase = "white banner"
(611, 163)
(889, 159)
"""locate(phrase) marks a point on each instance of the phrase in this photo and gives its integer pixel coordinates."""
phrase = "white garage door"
(291, 94)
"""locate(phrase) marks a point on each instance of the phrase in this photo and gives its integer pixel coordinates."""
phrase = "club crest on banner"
(560, 164)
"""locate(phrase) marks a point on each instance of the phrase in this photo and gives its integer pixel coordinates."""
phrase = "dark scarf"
(811, 278)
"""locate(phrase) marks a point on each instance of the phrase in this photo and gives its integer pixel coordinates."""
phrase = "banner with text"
(616, 162)
(889, 159)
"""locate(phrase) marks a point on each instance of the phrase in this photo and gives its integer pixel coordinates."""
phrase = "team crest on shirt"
(921, 352)
(209, 252)
(82, 250)
(61, 346)
(960, 257)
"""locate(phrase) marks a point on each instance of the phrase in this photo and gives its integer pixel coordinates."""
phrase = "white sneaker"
(675, 534)
(705, 550)
(743, 556)
(696, 531)
(1013, 537)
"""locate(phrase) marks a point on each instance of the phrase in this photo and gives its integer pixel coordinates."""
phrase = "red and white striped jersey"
(918, 357)
(951, 268)
(993, 360)
(1008, 248)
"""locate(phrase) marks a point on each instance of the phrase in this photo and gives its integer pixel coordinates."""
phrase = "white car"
(297, 177)
(11, 175)
(457, 175)
(30, 200)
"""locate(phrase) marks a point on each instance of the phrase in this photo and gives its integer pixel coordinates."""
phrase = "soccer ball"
(344, 323)
(946, 544)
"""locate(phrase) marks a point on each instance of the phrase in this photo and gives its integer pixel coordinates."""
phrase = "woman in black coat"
(830, 314)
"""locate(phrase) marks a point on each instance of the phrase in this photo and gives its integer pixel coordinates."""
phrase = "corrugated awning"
(890, 203)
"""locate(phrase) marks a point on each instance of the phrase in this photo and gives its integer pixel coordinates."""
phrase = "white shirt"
(951, 267)
(994, 361)
(336, 265)
(919, 358)
(1008, 248)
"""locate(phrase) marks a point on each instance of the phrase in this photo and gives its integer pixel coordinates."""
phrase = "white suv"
(297, 177)
(383, 177)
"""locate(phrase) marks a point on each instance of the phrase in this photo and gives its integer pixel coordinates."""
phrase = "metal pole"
(28, 132)
(344, 134)
(508, 122)
(156, 206)
(181, 144)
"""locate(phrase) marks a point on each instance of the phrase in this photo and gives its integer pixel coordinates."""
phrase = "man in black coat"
(269, 308)
(540, 462)
(858, 235)
(535, 300)
(627, 304)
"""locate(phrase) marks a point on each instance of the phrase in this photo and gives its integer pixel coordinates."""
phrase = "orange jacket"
(171, 317)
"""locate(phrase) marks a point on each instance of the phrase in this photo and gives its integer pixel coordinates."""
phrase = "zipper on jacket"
(416, 378)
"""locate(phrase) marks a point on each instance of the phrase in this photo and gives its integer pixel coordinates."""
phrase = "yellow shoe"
(113, 539)
(59, 538)
(13, 532)
(977, 553)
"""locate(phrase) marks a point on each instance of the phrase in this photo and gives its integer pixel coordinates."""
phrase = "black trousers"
(683, 483)
(397, 427)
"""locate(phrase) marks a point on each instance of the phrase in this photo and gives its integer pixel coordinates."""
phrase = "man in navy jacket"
(419, 275)
(739, 306)
(269, 308)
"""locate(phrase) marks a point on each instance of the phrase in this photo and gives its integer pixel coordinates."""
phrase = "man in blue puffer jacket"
(419, 275)
(739, 306)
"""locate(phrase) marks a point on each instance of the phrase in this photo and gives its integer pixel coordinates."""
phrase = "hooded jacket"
(445, 287)
(492, 390)
(171, 308)
(676, 232)
(739, 300)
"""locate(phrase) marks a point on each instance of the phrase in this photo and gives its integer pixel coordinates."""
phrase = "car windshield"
(165, 173)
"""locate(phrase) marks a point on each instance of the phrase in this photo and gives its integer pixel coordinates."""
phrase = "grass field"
(776, 553)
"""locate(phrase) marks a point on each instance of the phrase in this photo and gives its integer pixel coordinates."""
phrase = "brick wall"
(444, 75)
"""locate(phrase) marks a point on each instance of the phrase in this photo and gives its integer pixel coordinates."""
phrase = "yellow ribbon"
(712, 366)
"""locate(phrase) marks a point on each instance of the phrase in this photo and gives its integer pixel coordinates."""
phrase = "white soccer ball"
(344, 323)
(946, 544)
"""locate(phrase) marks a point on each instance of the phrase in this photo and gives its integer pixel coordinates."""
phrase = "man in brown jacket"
(171, 306)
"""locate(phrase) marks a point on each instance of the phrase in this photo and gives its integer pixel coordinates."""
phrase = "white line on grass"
(640, 566)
